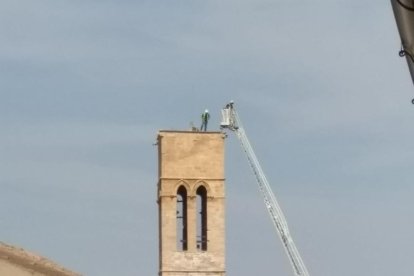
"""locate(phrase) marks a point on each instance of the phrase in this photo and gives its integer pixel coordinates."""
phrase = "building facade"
(191, 201)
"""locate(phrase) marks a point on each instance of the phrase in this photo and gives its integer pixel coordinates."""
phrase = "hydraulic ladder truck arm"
(231, 121)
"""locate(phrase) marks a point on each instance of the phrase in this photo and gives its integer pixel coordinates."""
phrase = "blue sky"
(325, 99)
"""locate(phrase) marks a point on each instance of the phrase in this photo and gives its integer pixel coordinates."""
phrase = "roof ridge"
(31, 261)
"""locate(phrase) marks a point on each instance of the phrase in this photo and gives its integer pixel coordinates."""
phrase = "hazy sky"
(325, 99)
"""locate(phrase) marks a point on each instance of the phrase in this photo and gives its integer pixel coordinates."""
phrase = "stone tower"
(191, 203)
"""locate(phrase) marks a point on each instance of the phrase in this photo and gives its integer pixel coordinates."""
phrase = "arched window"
(182, 219)
(201, 218)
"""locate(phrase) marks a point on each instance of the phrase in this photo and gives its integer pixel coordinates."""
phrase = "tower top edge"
(190, 131)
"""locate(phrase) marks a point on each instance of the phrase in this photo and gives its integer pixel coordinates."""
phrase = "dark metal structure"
(404, 16)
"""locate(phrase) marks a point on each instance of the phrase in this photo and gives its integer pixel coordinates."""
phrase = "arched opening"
(182, 219)
(201, 218)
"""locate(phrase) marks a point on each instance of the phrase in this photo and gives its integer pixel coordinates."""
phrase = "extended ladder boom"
(232, 122)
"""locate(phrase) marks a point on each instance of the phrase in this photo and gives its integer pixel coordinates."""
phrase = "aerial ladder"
(231, 121)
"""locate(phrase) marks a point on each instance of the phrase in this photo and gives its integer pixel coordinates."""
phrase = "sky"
(324, 98)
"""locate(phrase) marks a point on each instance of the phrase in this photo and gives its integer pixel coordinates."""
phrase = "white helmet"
(206, 111)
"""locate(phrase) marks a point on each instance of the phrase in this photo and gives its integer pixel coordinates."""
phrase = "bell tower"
(191, 203)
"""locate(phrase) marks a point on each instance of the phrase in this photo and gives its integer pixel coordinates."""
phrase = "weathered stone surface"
(191, 159)
(18, 262)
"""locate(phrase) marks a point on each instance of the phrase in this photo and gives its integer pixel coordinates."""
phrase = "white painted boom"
(231, 121)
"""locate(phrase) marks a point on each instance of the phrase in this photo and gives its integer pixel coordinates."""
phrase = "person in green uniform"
(204, 120)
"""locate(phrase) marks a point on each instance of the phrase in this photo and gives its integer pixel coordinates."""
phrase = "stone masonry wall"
(191, 159)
